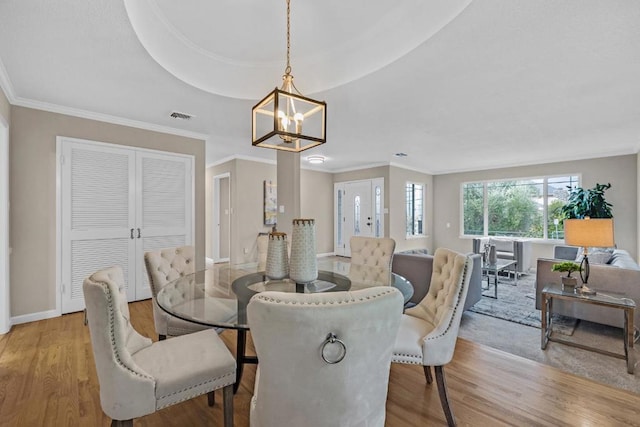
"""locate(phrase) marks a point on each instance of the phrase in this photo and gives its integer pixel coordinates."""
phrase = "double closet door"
(116, 203)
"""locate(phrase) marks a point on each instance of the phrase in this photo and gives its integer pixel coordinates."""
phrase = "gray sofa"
(508, 248)
(417, 269)
(620, 275)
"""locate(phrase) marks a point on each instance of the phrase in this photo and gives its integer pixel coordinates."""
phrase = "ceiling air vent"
(181, 116)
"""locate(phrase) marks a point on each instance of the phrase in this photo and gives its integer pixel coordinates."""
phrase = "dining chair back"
(324, 357)
(163, 266)
(372, 251)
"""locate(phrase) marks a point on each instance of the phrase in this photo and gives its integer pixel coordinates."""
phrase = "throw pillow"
(596, 255)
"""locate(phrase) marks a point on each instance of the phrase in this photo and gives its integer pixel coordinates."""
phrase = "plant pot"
(569, 282)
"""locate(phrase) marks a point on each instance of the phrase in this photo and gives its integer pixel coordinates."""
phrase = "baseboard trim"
(34, 317)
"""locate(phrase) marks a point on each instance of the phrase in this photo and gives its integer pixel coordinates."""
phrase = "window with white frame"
(415, 209)
(530, 207)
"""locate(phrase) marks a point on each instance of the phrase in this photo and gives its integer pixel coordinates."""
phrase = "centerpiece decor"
(568, 267)
(277, 266)
(303, 265)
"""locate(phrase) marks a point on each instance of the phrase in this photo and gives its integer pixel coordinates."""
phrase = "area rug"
(517, 304)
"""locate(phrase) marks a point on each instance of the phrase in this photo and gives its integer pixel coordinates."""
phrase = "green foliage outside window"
(516, 207)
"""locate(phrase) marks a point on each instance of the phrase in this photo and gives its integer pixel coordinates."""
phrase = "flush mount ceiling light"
(315, 160)
(285, 119)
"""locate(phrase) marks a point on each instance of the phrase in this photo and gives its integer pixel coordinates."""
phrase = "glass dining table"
(218, 297)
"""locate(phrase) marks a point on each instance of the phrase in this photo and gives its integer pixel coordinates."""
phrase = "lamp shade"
(589, 232)
(288, 121)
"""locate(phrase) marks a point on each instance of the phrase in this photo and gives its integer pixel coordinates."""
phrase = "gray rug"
(517, 304)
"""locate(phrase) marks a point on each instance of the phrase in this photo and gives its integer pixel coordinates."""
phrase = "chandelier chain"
(288, 69)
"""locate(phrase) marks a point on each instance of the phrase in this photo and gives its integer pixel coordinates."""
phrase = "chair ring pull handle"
(332, 339)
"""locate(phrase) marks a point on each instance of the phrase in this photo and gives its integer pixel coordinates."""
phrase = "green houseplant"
(568, 267)
(589, 203)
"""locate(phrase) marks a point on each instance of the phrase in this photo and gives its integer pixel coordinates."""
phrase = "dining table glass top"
(219, 296)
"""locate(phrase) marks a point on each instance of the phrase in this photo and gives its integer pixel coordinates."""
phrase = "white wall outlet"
(281, 208)
(448, 225)
(246, 250)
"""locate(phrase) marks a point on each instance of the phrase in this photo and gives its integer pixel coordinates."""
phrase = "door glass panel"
(356, 216)
(378, 210)
(339, 236)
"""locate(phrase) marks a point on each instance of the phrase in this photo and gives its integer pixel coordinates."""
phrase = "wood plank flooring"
(48, 378)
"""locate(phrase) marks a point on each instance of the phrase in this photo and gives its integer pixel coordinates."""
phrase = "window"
(521, 208)
(415, 209)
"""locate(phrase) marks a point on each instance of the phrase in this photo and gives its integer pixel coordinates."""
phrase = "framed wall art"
(270, 203)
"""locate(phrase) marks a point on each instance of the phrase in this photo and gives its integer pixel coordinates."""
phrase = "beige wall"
(620, 171)
(33, 194)
(317, 202)
(247, 180)
(398, 179)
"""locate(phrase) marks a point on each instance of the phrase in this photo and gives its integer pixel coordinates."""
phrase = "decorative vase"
(277, 266)
(303, 265)
(493, 255)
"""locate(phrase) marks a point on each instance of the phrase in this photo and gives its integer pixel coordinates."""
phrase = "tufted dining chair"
(372, 251)
(163, 266)
(138, 377)
(304, 377)
(428, 331)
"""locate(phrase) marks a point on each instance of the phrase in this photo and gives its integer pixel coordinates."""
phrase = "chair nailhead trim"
(112, 335)
(345, 301)
(232, 379)
(455, 309)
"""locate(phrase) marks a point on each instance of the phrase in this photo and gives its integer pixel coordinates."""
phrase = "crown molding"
(5, 84)
(85, 114)
(357, 168)
(409, 168)
(241, 157)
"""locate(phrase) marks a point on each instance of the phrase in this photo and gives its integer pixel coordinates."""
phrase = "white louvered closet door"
(164, 186)
(97, 206)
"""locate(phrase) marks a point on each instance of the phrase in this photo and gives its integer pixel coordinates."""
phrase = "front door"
(358, 212)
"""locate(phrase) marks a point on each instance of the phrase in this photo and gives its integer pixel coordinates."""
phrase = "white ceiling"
(456, 84)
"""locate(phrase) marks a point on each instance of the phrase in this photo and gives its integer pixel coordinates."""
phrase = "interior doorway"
(221, 209)
(358, 212)
(5, 306)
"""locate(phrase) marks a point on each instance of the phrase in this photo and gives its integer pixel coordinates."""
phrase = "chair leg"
(227, 401)
(121, 423)
(162, 337)
(211, 398)
(444, 399)
(427, 374)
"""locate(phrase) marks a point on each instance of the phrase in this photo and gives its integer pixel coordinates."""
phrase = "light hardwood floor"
(47, 378)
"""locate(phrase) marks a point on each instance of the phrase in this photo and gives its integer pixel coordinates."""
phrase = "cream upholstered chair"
(428, 331)
(372, 251)
(294, 385)
(138, 377)
(163, 266)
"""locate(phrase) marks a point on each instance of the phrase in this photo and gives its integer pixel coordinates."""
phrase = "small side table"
(607, 299)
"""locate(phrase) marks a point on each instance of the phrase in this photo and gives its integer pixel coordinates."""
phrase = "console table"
(606, 299)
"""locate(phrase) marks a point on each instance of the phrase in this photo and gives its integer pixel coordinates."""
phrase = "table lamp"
(588, 232)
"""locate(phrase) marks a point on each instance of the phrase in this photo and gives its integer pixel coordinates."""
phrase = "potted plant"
(589, 203)
(569, 267)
